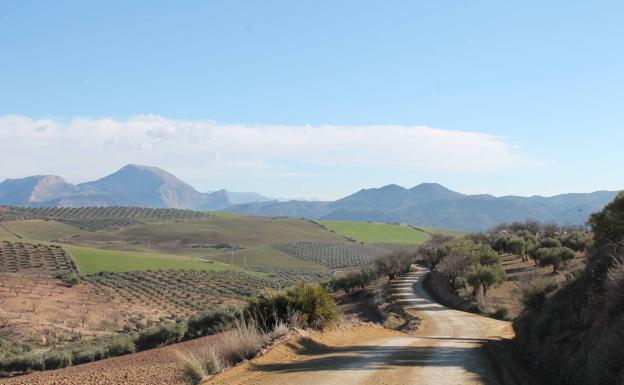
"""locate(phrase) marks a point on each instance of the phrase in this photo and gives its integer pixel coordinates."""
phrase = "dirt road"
(448, 350)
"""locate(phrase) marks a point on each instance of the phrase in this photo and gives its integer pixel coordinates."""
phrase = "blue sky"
(543, 79)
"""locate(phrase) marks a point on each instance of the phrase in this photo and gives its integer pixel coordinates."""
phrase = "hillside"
(574, 335)
(433, 205)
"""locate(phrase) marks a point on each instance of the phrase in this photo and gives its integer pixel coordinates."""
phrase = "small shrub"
(120, 346)
(501, 313)
(534, 296)
(161, 335)
(212, 321)
(57, 360)
(89, 354)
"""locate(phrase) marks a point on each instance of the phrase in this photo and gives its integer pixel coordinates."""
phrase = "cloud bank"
(81, 149)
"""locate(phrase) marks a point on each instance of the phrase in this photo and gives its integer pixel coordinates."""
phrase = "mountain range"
(433, 205)
(427, 204)
(132, 185)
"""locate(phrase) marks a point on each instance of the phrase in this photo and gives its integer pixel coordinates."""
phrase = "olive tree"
(395, 264)
(554, 256)
(484, 277)
(432, 252)
(518, 246)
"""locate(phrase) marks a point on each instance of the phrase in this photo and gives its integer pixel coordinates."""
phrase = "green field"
(91, 261)
(377, 232)
(39, 230)
(267, 256)
(195, 244)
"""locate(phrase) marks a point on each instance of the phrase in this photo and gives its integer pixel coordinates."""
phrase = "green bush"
(120, 346)
(212, 321)
(312, 305)
(57, 360)
(501, 313)
(22, 364)
(161, 335)
(352, 280)
(534, 296)
(89, 354)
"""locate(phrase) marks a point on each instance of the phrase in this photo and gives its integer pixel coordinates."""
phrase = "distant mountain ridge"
(433, 205)
(132, 185)
(427, 204)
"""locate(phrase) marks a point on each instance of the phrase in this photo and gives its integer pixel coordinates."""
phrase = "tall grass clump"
(191, 368)
(241, 342)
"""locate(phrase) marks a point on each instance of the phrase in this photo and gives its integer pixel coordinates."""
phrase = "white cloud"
(82, 149)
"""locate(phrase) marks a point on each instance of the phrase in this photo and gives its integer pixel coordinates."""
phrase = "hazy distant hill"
(239, 198)
(430, 204)
(132, 185)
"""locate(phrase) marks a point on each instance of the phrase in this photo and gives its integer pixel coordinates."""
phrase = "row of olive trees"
(391, 265)
(545, 251)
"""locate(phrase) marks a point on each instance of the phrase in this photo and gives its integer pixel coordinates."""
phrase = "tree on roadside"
(395, 264)
(484, 277)
(432, 252)
(455, 267)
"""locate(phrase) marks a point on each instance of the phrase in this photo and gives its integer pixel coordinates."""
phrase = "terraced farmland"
(20, 257)
(334, 254)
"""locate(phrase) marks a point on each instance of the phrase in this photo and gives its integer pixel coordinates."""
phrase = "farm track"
(450, 349)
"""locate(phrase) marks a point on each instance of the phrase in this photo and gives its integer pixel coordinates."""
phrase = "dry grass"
(242, 342)
(239, 344)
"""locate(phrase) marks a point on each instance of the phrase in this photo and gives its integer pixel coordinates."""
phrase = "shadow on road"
(465, 353)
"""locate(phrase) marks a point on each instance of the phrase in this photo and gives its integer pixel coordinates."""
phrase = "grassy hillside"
(242, 231)
(38, 230)
(91, 261)
(377, 232)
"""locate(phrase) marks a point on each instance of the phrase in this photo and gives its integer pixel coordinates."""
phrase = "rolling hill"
(433, 205)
